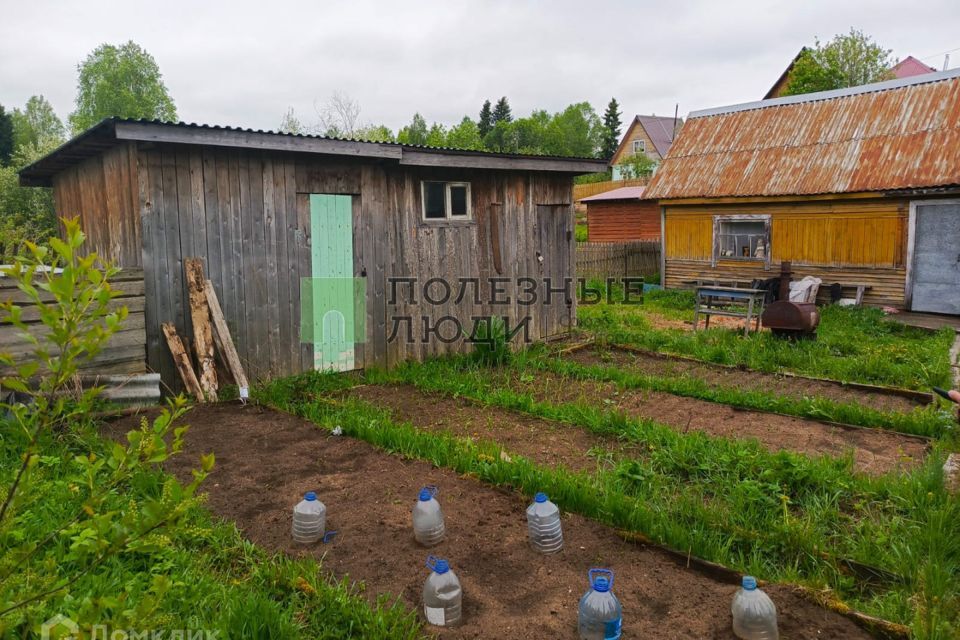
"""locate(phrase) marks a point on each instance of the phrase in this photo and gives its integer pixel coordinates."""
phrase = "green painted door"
(331, 252)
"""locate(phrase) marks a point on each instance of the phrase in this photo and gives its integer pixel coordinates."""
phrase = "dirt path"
(875, 451)
(745, 379)
(266, 460)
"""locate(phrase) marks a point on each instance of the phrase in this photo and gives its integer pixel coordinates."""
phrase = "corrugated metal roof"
(103, 135)
(899, 134)
(622, 193)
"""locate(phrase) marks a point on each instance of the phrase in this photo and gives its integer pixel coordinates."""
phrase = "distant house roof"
(113, 131)
(910, 66)
(781, 83)
(660, 130)
(898, 134)
(623, 193)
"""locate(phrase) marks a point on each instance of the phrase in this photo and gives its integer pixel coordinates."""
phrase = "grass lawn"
(199, 574)
(852, 344)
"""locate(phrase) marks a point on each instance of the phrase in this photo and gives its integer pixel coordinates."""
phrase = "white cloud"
(244, 62)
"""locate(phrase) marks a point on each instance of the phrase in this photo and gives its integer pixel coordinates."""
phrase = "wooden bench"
(733, 302)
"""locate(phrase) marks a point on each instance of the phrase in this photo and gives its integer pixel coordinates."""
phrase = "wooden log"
(202, 332)
(182, 360)
(224, 341)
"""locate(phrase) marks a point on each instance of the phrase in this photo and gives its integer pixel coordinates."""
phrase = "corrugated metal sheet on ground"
(905, 137)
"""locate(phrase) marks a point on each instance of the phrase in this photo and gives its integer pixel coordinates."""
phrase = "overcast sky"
(243, 63)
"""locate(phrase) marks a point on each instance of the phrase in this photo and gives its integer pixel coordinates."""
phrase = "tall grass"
(928, 421)
(853, 343)
(780, 515)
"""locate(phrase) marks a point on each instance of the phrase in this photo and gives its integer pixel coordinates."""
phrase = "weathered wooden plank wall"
(102, 192)
(846, 241)
(247, 215)
(618, 259)
(125, 352)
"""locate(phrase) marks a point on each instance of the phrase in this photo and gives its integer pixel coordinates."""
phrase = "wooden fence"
(617, 259)
(581, 191)
(125, 353)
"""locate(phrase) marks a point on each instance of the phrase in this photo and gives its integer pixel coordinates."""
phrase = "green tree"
(414, 133)
(375, 133)
(290, 123)
(502, 112)
(37, 125)
(575, 131)
(486, 119)
(610, 138)
(849, 60)
(530, 133)
(465, 135)
(122, 81)
(502, 138)
(437, 136)
(638, 165)
(6, 137)
(26, 213)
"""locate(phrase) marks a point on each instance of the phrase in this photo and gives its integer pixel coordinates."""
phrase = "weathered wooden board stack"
(124, 354)
(209, 326)
(152, 194)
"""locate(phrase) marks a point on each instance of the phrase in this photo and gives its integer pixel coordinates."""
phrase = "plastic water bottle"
(442, 595)
(543, 523)
(600, 616)
(754, 614)
(309, 519)
(428, 526)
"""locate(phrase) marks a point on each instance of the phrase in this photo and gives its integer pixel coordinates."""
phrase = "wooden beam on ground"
(225, 341)
(182, 360)
(202, 332)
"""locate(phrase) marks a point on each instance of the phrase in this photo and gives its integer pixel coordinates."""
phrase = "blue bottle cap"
(749, 583)
(310, 496)
(540, 497)
(437, 565)
(600, 579)
(427, 493)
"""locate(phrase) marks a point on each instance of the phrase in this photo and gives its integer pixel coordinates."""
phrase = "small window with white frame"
(446, 201)
(639, 146)
(741, 237)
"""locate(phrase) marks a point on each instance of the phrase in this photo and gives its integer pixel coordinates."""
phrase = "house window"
(446, 200)
(639, 146)
(745, 237)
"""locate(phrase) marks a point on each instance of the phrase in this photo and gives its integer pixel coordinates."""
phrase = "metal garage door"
(936, 258)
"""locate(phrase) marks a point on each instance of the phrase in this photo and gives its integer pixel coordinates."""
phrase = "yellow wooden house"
(857, 186)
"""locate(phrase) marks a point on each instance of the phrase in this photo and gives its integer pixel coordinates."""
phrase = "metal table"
(732, 302)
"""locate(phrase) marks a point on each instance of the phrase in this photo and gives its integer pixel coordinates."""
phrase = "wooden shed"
(855, 186)
(622, 215)
(396, 247)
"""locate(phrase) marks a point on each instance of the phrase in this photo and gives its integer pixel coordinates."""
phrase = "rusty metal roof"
(899, 134)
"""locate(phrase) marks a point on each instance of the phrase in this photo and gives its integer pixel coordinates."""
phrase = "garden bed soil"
(266, 460)
(875, 451)
(542, 441)
(718, 376)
